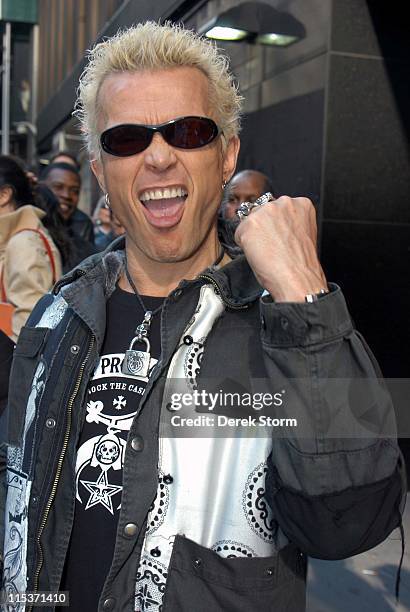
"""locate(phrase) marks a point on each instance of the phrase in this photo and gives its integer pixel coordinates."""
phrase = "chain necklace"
(136, 363)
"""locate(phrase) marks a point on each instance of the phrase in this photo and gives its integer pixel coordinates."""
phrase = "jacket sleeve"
(336, 481)
(28, 275)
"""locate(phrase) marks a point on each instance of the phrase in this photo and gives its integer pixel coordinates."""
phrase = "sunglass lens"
(190, 132)
(126, 140)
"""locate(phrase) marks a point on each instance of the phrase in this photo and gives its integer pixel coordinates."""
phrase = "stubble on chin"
(167, 255)
(160, 252)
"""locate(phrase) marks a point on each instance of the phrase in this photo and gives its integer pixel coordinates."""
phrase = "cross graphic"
(146, 598)
(120, 402)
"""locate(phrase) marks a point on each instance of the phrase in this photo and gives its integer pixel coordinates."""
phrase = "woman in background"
(30, 262)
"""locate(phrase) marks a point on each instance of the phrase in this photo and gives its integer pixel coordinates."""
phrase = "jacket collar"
(236, 282)
(90, 284)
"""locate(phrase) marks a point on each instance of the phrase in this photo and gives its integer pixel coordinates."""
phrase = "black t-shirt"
(112, 401)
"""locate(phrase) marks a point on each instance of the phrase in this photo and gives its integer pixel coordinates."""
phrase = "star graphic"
(101, 492)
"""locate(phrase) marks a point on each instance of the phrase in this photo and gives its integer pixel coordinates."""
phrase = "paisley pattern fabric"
(216, 497)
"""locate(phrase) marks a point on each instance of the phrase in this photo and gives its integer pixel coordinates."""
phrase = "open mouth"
(164, 207)
(65, 209)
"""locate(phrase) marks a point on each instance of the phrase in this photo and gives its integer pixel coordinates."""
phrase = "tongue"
(166, 207)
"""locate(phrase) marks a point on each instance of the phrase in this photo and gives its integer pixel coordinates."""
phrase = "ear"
(6, 195)
(230, 158)
(97, 168)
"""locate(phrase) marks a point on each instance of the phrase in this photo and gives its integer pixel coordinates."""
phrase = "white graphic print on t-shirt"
(112, 402)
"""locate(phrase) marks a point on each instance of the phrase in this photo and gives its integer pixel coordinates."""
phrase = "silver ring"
(246, 207)
(264, 199)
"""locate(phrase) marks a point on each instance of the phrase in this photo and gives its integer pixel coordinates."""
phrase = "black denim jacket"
(332, 496)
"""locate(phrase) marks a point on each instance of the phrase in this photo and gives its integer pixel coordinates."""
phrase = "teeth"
(162, 194)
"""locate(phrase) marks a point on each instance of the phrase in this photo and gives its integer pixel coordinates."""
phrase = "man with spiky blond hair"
(186, 427)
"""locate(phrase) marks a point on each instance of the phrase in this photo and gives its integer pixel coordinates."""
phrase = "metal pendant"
(136, 363)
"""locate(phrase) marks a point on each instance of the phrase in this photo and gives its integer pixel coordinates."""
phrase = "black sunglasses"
(184, 133)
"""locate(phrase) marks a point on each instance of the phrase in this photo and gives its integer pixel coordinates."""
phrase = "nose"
(159, 156)
(65, 193)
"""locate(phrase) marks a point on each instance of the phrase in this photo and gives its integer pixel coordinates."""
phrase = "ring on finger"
(246, 207)
(264, 199)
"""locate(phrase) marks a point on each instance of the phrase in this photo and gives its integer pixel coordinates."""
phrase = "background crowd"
(43, 234)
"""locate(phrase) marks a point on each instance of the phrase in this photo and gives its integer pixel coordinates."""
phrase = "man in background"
(66, 158)
(64, 180)
(246, 186)
(106, 225)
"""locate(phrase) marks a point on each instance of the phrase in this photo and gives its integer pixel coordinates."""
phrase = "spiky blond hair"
(151, 46)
